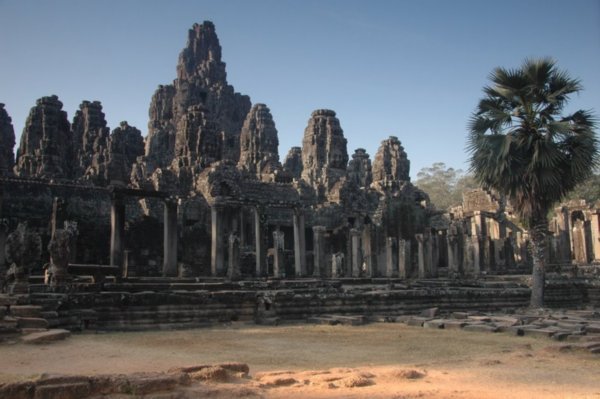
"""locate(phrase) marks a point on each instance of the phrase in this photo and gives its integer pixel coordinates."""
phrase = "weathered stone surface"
(90, 142)
(46, 336)
(18, 390)
(324, 153)
(293, 162)
(259, 144)
(359, 168)
(124, 146)
(23, 251)
(31, 322)
(46, 148)
(391, 162)
(7, 143)
(201, 81)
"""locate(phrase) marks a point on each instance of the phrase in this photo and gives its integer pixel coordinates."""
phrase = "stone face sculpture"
(90, 142)
(391, 162)
(124, 146)
(23, 251)
(46, 148)
(201, 81)
(60, 251)
(324, 153)
(259, 145)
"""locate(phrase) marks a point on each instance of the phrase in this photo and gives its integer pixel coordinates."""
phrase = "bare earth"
(372, 361)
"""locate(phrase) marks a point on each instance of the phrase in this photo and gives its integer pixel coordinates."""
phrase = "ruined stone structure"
(7, 143)
(204, 199)
(46, 148)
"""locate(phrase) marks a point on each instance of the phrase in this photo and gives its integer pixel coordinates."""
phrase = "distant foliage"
(589, 190)
(445, 185)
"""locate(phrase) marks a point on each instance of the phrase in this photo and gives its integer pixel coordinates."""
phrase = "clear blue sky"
(412, 69)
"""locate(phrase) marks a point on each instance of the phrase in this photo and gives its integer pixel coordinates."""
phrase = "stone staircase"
(20, 320)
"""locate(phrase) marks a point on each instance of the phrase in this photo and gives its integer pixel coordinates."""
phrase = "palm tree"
(521, 146)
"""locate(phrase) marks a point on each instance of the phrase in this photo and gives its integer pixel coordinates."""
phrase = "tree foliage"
(445, 185)
(522, 146)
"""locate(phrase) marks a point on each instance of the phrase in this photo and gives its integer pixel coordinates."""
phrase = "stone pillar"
(564, 233)
(391, 262)
(476, 255)
(366, 250)
(403, 258)
(59, 215)
(356, 253)
(595, 230)
(467, 255)
(117, 232)
(260, 248)
(579, 242)
(431, 269)
(319, 250)
(452, 242)
(233, 269)
(170, 238)
(421, 254)
(337, 260)
(3, 234)
(216, 253)
(278, 247)
(299, 244)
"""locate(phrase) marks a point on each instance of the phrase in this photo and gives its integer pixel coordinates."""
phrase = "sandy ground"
(390, 360)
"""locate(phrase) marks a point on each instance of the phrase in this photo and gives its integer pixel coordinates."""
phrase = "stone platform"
(170, 303)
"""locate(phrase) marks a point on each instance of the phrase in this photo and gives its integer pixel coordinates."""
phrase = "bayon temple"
(204, 208)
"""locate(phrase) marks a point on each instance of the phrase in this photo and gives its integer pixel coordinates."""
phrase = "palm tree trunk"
(538, 255)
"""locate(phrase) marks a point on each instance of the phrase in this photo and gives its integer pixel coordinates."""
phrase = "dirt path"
(452, 364)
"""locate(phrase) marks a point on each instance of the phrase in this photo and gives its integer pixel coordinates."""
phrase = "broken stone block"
(31, 322)
(417, 321)
(480, 328)
(430, 313)
(25, 311)
(438, 323)
(62, 391)
(46, 336)
(454, 324)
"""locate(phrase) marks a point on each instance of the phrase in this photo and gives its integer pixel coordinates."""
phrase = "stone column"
(476, 256)
(233, 269)
(216, 253)
(595, 230)
(318, 250)
(366, 250)
(299, 244)
(3, 234)
(467, 255)
(431, 269)
(391, 262)
(431, 254)
(452, 241)
(170, 238)
(117, 232)
(278, 247)
(59, 215)
(260, 248)
(421, 255)
(356, 253)
(403, 258)
(579, 242)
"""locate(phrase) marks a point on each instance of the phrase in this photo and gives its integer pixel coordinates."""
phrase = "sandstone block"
(46, 336)
(31, 322)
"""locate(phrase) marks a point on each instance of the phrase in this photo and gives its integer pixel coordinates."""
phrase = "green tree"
(521, 146)
(589, 190)
(444, 185)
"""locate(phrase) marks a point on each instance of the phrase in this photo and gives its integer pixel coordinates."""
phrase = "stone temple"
(202, 221)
